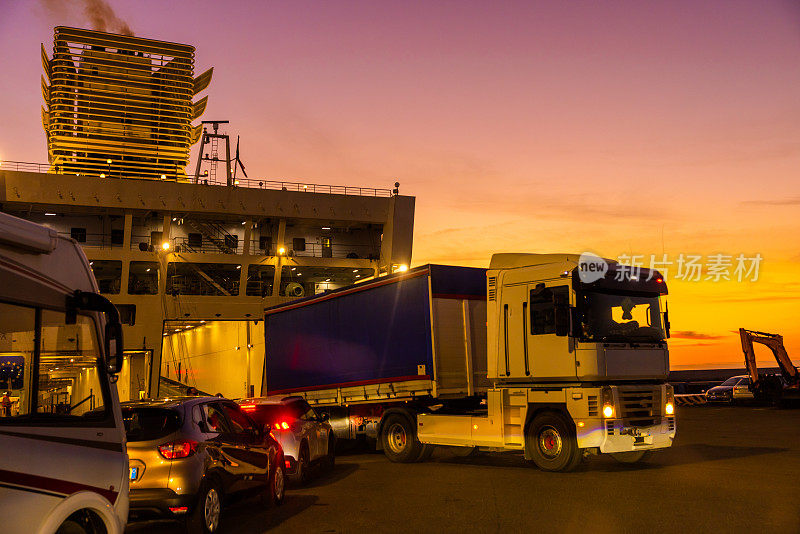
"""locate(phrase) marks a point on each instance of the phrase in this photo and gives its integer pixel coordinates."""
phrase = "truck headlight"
(608, 402)
(669, 400)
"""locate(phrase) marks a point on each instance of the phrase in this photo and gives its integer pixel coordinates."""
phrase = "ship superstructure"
(192, 263)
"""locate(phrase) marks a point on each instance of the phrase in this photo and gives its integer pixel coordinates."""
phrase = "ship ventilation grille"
(492, 288)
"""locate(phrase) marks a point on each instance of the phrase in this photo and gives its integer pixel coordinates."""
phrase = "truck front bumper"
(612, 435)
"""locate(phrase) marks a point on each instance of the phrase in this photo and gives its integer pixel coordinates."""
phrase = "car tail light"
(281, 425)
(177, 449)
(248, 407)
(288, 464)
(178, 509)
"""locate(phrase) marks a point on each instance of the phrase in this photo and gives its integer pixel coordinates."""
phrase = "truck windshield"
(620, 317)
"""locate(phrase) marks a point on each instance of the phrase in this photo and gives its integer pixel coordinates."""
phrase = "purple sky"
(617, 127)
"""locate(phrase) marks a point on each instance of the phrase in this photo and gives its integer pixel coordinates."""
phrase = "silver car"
(189, 455)
(736, 388)
(307, 438)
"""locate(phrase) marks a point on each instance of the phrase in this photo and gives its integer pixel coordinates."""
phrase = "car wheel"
(464, 452)
(207, 510)
(631, 457)
(301, 475)
(550, 443)
(277, 484)
(399, 440)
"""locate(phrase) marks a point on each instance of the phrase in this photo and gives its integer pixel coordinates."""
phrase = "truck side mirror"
(113, 347)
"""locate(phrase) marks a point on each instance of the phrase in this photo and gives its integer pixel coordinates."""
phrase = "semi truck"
(529, 355)
(63, 461)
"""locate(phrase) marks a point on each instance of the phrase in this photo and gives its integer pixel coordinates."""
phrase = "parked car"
(736, 388)
(190, 455)
(307, 438)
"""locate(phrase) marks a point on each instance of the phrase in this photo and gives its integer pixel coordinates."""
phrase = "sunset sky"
(620, 127)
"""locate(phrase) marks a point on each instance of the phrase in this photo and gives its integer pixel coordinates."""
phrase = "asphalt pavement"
(731, 469)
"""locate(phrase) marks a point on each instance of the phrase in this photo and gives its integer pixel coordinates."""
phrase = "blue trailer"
(413, 338)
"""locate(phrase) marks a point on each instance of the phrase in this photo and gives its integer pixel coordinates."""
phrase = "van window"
(68, 370)
(17, 339)
(60, 379)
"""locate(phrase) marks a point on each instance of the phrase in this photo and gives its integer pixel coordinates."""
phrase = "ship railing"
(248, 183)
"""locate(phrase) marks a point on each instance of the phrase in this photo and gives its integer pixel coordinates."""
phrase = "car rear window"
(145, 424)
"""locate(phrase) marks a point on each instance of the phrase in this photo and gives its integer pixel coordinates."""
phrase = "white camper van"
(63, 463)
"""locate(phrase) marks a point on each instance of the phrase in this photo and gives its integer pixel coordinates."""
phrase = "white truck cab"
(575, 366)
(63, 461)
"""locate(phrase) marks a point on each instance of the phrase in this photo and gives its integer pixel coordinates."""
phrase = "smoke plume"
(98, 13)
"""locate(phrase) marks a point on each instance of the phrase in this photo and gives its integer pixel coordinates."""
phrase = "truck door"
(514, 333)
(549, 355)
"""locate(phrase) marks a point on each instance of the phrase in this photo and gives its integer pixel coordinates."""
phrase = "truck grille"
(640, 406)
(492, 287)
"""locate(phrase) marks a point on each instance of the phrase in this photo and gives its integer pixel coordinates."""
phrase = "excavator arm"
(775, 343)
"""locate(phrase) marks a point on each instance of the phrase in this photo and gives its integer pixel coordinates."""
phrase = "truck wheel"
(399, 439)
(630, 457)
(551, 444)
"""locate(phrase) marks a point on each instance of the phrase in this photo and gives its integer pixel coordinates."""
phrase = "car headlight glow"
(608, 411)
(670, 408)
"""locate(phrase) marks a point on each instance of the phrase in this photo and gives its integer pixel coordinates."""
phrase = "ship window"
(127, 313)
(259, 280)
(143, 278)
(299, 281)
(195, 239)
(78, 234)
(117, 236)
(108, 274)
(220, 279)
